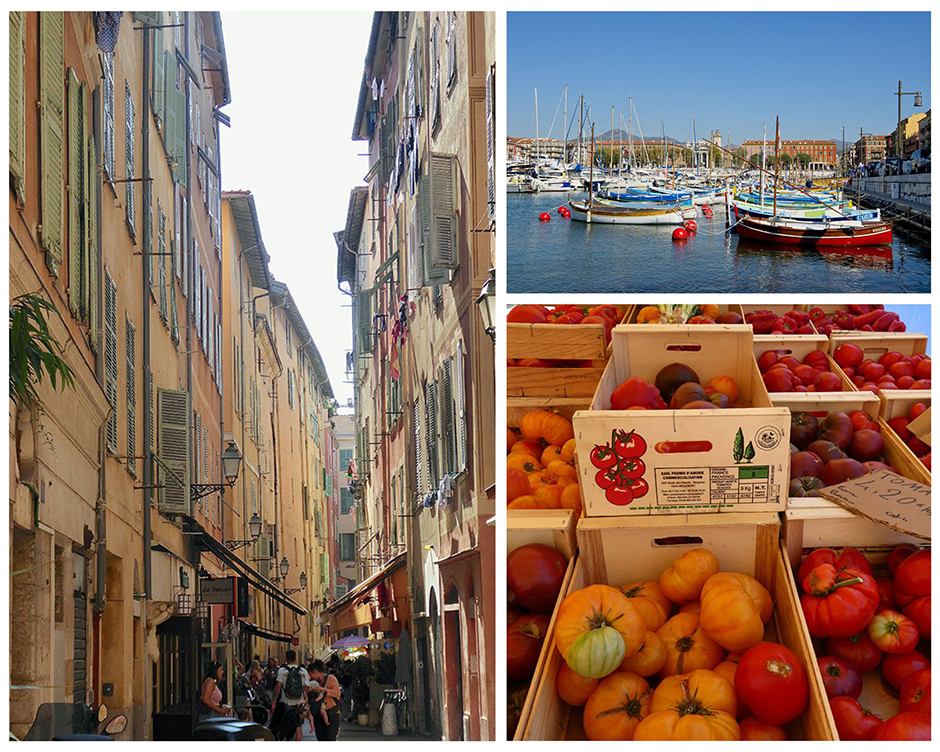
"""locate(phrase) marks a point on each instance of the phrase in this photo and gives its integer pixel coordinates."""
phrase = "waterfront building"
(822, 154)
(910, 135)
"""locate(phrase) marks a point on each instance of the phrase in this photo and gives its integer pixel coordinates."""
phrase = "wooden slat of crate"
(552, 382)
(746, 543)
(551, 527)
(779, 309)
(516, 407)
(569, 342)
(898, 402)
(876, 344)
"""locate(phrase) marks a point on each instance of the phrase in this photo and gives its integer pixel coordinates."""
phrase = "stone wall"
(908, 187)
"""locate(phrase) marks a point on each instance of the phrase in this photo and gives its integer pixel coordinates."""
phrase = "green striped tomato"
(596, 653)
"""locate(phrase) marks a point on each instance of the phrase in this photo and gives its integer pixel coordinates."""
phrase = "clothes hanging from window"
(107, 25)
(445, 491)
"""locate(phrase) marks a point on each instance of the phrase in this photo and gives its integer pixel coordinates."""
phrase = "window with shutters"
(288, 341)
(18, 102)
(76, 194)
(92, 254)
(177, 233)
(460, 408)
(111, 359)
(434, 101)
(451, 48)
(364, 308)
(185, 266)
(290, 388)
(52, 135)
(448, 442)
(431, 437)
(491, 141)
(161, 262)
(440, 253)
(107, 100)
(129, 192)
(420, 487)
(157, 96)
(131, 394)
(173, 410)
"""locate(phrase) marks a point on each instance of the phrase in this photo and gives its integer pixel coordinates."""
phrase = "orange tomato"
(517, 483)
(594, 607)
(687, 646)
(571, 497)
(562, 469)
(700, 705)
(550, 454)
(695, 607)
(618, 705)
(532, 448)
(684, 580)
(511, 439)
(711, 310)
(542, 478)
(549, 496)
(725, 385)
(727, 668)
(735, 608)
(524, 462)
(542, 424)
(573, 688)
(649, 315)
(649, 599)
(649, 659)
(753, 729)
(568, 450)
(526, 502)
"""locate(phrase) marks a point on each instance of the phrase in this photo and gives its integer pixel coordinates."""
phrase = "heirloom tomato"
(700, 705)
(897, 667)
(838, 603)
(594, 608)
(684, 580)
(687, 646)
(893, 632)
(649, 659)
(899, 554)
(753, 729)
(912, 577)
(915, 692)
(573, 688)
(905, 727)
(535, 573)
(839, 678)
(648, 597)
(616, 707)
(918, 611)
(853, 722)
(774, 682)
(857, 650)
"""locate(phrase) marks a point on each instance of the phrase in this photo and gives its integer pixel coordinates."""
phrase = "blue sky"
(817, 71)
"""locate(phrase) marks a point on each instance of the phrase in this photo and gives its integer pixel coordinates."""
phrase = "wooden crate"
(634, 311)
(709, 478)
(898, 402)
(551, 527)
(876, 344)
(799, 346)
(816, 523)
(516, 407)
(897, 453)
(779, 308)
(617, 551)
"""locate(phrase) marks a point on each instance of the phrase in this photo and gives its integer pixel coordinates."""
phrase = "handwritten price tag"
(888, 499)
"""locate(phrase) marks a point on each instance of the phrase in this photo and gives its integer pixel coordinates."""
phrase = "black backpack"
(294, 684)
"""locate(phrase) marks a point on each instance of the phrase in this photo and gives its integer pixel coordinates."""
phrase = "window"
(52, 131)
(110, 359)
(161, 261)
(129, 159)
(290, 388)
(131, 393)
(107, 96)
(347, 547)
(288, 339)
(345, 500)
(434, 51)
(18, 100)
(451, 47)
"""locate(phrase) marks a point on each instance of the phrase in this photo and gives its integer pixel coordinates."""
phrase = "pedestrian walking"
(290, 693)
(269, 676)
(210, 702)
(327, 728)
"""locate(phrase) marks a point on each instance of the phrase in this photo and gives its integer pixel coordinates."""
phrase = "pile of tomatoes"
(607, 315)
(869, 622)
(900, 424)
(832, 450)
(891, 371)
(540, 466)
(675, 659)
(785, 373)
(534, 574)
(696, 314)
(768, 322)
(676, 387)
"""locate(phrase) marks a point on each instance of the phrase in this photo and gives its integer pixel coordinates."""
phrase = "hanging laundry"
(107, 25)
(445, 491)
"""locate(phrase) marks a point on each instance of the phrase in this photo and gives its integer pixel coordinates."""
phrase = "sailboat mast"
(580, 126)
(537, 129)
(763, 164)
(631, 130)
(694, 144)
(662, 127)
(776, 163)
(591, 178)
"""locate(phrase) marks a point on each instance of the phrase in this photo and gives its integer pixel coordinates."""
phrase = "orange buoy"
(690, 226)
(545, 217)
(679, 234)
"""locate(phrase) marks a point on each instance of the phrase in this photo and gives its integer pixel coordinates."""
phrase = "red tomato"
(827, 382)
(886, 591)
(899, 554)
(629, 445)
(915, 692)
(839, 603)
(753, 729)
(773, 681)
(922, 370)
(860, 419)
(890, 358)
(638, 486)
(607, 478)
(535, 573)
(905, 727)
(899, 424)
(896, 668)
(524, 643)
(893, 632)
(919, 409)
(848, 355)
(853, 722)
(766, 360)
(636, 392)
(816, 358)
(839, 678)
(912, 577)
(857, 650)
(779, 380)
(850, 557)
(900, 369)
(918, 611)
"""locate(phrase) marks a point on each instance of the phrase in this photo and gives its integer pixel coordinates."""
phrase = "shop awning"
(348, 612)
(261, 583)
(253, 629)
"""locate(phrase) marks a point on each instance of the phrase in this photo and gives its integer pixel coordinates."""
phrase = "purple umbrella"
(349, 642)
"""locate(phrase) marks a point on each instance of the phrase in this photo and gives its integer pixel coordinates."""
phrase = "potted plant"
(361, 671)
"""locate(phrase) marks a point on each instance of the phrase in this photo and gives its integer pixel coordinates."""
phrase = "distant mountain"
(621, 135)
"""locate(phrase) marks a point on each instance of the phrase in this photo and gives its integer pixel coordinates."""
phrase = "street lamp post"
(918, 102)
(487, 305)
(254, 529)
(303, 585)
(231, 464)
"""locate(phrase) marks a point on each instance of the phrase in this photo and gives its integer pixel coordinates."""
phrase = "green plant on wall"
(34, 352)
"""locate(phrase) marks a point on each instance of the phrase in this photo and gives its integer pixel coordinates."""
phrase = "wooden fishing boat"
(609, 213)
(816, 214)
(838, 233)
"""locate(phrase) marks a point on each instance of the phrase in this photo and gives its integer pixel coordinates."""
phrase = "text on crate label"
(713, 487)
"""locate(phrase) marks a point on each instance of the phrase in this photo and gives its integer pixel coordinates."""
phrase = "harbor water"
(563, 255)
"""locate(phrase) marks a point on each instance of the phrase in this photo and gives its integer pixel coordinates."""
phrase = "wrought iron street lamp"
(254, 529)
(231, 464)
(918, 102)
(487, 305)
(284, 567)
(303, 585)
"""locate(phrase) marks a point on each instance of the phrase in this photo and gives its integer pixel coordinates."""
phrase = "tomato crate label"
(650, 462)
(712, 487)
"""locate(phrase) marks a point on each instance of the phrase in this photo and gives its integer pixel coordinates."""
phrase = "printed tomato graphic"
(619, 495)
(603, 457)
(632, 469)
(607, 478)
(628, 445)
(638, 487)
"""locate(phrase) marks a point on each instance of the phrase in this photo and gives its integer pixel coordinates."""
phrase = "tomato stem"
(779, 667)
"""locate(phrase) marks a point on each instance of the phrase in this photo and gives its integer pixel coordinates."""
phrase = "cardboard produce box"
(692, 461)
(617, 551)
(817, 523)
(550, 527)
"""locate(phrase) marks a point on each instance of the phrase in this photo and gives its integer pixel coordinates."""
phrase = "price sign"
(887, 498)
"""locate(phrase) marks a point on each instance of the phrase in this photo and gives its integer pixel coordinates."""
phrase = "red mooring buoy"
(561, 210)
(545, 217)
(679, 234)
(706, 210)
(566, 212)
(690, 226)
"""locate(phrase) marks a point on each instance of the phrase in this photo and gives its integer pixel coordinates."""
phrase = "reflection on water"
(566, 256)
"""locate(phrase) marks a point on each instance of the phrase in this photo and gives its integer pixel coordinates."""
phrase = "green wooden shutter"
(447, 418)
(148, 17)
(169, 107)
(131, 394)
(173, 437)
(158, 78)
(76, 191)
(18, 101)
(420, 486)
(443, 236)
(92, 254)
(107, 89)
(51, 139)
(110, 359)
(179, 131)
(161, 262)
(130, 189)
(365, 320)
(461, 408)
(491, 141)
